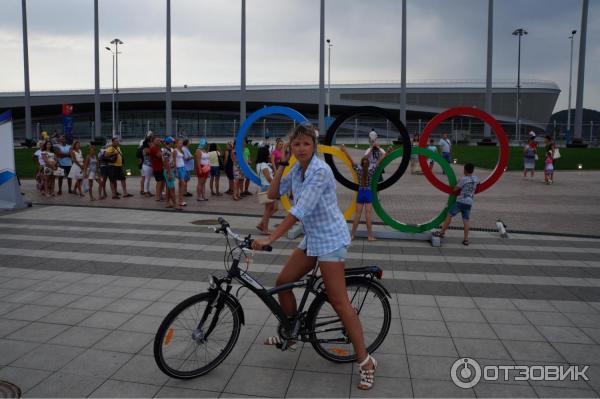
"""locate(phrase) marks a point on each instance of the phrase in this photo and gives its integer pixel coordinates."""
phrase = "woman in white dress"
(76, 172)
(92, 172)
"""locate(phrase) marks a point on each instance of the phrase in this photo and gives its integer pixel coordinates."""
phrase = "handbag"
(536, 157)
(556, 154)
(60, 172)
(263, 199)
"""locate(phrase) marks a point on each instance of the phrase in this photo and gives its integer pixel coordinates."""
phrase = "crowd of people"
(531, 154)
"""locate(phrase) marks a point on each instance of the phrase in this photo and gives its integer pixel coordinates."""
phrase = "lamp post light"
(518, 32)
(116, 42)
(113, 90)
(573, 32)
(329, 46)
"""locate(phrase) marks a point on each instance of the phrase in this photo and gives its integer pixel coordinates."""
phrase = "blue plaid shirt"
(316, 206)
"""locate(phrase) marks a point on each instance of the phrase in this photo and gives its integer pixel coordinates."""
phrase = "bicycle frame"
(267, 295)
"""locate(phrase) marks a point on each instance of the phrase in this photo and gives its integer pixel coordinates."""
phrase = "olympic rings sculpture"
(403, 152)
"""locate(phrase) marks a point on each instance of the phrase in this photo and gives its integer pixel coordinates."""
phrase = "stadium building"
(214, 110)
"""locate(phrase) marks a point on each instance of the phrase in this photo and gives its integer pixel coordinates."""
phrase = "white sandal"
(278, 342)
(367, 376)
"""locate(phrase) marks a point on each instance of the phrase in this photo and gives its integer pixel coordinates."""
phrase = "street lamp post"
(573, 32)
(116, 42)
(113, 91)
(329, 46)
(518, 32)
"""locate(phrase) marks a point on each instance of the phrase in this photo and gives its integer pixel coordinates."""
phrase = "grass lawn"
(483, 157)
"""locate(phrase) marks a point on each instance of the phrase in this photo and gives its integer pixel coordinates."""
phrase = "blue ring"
(239, 140)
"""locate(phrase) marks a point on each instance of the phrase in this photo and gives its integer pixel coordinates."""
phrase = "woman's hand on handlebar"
(259, 244)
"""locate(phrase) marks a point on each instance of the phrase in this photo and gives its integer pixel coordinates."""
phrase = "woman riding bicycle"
(326, 238)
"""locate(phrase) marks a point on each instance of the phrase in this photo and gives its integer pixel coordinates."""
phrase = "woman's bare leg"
(297, 265)
(357, 215)
(369, 218)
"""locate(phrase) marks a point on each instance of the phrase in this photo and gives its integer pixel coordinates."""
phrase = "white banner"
(10, 192)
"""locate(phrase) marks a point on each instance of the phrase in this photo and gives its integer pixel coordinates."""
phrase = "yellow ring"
(336, 152)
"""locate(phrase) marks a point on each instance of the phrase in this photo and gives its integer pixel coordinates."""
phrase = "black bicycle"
(200, 332)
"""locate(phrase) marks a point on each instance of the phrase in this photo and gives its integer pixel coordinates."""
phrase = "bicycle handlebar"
(246, 242)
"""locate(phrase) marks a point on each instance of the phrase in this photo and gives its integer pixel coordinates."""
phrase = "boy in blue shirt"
(465, 190)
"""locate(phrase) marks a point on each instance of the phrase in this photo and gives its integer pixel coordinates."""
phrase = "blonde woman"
(326, 239)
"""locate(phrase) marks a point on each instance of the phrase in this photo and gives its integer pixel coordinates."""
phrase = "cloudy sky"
(446, 40)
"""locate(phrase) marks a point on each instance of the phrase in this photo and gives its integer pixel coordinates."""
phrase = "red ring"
(498, 131)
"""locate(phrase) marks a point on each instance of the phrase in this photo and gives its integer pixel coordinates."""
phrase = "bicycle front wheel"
(327, 333)
(185, 349)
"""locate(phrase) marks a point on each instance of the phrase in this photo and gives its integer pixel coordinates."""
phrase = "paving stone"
(578, 353)
(504, 316)
(565, 334)
(48, 357)
(80, 288)
(429, 346)
(430, 367)
(523, 332)
(393, 343)
(472, 315)
(8, 326)
(420, 313)
(423, 388)
(25, 379)
(90, 303)
(124, 341)
(536, 351)
(170, 392)
(584, 320)
(261, 355)
(470, 330)
(142, 323)
(12, 350)
(61, 385)
(126, 305)
(455, 302)
(425, 327)
(112, 291)
(160, 309)
(142, 369)
(573, 307)
(67, 316)
(146, 294)
(56, 299)
(310, 360)
(97, 363)
(124, 389)
(481, 348)
(307, 384)
(486, 390)
(7, 307)
(29, 312)
(38, 332)
(218, 378)
(416, 300)
(103, 319)
(261, 381)
(83, 337)
(561, 392)
(547, 319)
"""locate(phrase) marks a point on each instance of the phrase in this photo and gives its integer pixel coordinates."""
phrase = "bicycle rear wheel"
(183, 350)
(327, 333)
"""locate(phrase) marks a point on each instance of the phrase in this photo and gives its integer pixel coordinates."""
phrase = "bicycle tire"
(165, 336)
(321, 309)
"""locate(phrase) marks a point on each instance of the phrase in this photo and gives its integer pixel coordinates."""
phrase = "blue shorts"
(337, 255)
(215, 171)
(464, 209)
(182, 174)
(364, 196)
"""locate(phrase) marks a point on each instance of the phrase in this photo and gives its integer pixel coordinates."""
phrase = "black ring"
(371, 111)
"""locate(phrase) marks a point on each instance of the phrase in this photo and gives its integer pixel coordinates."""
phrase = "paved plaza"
(569, 206)
(83, 290)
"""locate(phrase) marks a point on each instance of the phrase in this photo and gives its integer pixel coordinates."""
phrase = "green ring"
(412, 228)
